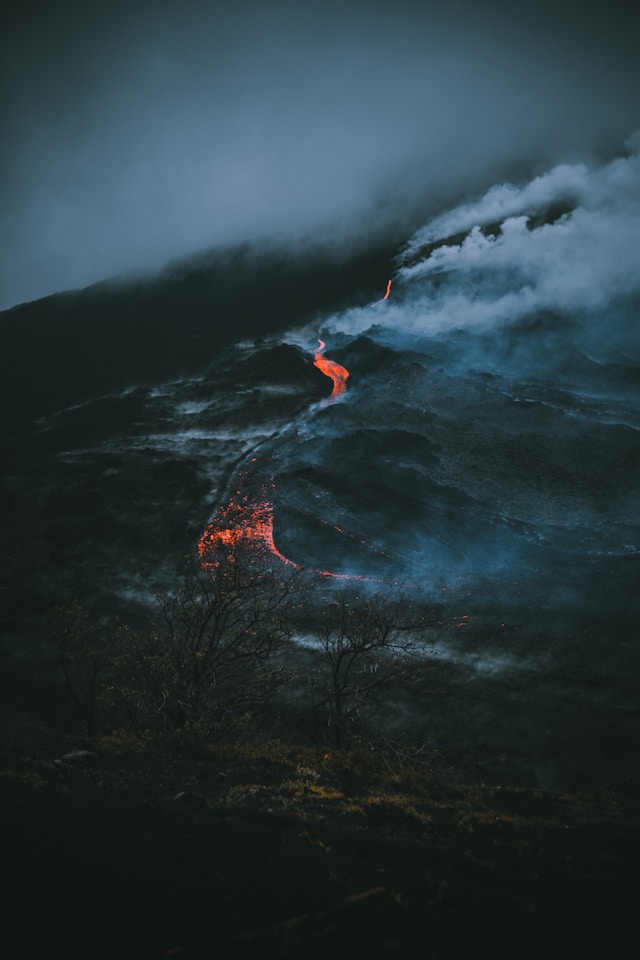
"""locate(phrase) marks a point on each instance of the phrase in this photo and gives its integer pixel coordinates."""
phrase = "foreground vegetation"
(189, 789)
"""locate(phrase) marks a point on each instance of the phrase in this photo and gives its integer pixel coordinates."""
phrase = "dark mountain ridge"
(69, 347)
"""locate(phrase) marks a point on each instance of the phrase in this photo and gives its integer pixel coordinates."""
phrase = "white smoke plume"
(496, 260)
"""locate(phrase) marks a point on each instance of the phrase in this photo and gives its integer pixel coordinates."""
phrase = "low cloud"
(149, 131)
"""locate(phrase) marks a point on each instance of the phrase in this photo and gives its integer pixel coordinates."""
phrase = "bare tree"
(367, 647)
(214, 653)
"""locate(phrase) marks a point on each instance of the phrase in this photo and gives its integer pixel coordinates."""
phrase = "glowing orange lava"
(244, 528)
(244, 525)
(331, 369)
(386, 296)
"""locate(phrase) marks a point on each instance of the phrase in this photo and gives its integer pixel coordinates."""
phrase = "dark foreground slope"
(292, 852)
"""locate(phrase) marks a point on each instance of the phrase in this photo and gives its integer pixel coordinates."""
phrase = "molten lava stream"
(245, 524)
(331, 369)
(386, 296)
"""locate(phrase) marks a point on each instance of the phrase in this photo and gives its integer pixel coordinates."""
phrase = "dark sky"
(136, 132)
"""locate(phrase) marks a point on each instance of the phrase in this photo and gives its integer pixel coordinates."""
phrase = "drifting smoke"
(567, 242)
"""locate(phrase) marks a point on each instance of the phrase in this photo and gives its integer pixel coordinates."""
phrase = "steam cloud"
(496, 260)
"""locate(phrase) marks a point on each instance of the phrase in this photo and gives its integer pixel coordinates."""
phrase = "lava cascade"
(331, 369)
(244, 526)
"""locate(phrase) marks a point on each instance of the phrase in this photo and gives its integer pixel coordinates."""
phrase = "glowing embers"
(331, 369)
(244, 527)
(242, 530)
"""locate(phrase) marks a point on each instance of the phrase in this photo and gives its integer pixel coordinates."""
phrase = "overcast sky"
(136, 132)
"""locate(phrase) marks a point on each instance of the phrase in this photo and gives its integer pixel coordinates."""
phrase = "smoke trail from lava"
(566, 243)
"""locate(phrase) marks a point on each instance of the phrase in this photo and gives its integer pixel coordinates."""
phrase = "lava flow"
(386, 296)
(243, 526)
(331, 369)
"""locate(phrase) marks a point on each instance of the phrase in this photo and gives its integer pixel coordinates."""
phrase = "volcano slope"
(496, 486)
(501, 494)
